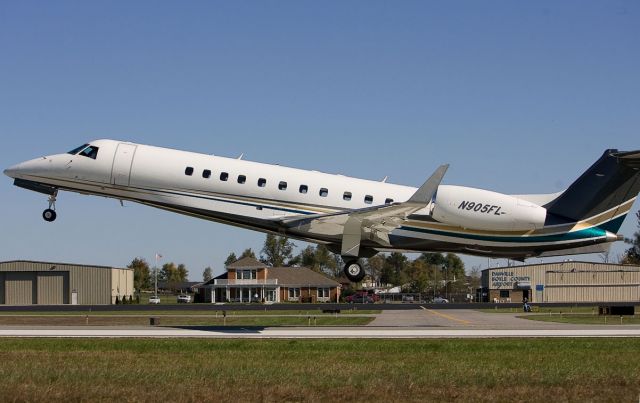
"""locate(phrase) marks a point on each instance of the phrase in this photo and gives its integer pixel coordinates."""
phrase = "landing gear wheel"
(353, 271)
(49, 215)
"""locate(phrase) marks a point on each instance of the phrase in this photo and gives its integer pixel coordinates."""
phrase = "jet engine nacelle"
(485, 210)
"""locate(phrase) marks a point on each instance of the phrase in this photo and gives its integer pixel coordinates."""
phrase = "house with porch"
(248, 280)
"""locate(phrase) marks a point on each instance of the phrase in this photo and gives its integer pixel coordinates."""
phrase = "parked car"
(154, 299)
(184, 298)
(361, 299)
(440, 300)
(363, 296)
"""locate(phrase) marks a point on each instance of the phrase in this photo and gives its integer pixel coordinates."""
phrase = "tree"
(230, 259)
(141, 273)
(476, 279)
(172, 274)
(417, 274)
(632, 255)
(276, 250)
(248, 253)
(307, 258)
(455, 274)
(183, 273)
(207, 274)
(374, 266)
(168, 272)
(393, 269)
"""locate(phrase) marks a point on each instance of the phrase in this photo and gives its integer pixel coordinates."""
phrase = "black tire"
(49, 215)
(353, 271)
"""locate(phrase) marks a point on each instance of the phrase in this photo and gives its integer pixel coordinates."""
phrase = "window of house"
(388, 201)
(188, 171)
(504, 293)
(262, 182)
(294, 293)
(304, 188)
(323, 293)
(282, 185)
(206, 174)
(346, 196)
(324, 192)
(246, 274)
(242, 179)
(368, 199)
(224, 176)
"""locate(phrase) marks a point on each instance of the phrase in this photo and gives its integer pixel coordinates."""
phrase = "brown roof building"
(248, 280)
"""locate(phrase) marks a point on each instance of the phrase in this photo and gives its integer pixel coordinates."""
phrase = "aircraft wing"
(372, 223)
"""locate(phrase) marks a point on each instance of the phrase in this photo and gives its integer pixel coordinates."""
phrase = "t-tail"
(603, 195)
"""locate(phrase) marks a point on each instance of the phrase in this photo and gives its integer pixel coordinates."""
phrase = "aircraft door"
(122, 161)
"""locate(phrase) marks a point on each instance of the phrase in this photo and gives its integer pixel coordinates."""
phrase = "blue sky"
(519, 97)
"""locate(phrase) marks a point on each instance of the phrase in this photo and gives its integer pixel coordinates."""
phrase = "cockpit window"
(77, 149)
(91, 152)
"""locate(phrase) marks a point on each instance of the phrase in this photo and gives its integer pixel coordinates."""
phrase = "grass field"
(586, 319)
(313, 370)
(539, 309)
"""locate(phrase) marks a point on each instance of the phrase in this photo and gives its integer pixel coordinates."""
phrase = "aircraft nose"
(12, 171)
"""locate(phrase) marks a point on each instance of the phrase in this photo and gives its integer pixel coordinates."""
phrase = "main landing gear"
(354, 271)
(50, 213)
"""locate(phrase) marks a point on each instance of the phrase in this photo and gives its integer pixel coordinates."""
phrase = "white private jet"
(353, 217)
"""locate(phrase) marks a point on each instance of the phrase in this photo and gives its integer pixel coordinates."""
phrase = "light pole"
(435, 280)
(446, 281)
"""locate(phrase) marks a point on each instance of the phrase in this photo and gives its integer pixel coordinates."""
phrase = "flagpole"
(156, 274)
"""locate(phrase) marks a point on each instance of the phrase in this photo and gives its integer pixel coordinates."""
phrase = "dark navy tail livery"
(352, 217)
(608, 186)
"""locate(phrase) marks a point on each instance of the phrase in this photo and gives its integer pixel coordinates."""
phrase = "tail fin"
(609, 186)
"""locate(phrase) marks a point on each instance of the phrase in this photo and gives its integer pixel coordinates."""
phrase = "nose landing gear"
(49, 214)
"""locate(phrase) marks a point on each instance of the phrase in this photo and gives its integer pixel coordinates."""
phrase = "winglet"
(425, 193)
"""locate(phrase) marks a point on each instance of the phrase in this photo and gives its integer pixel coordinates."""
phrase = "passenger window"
(282, 185)
(388, 201)
(91, 152)
(324, 192)
(346, 196)
(188, 171)
(368, 199)
(242, 179)
(206, 174)
(304, 188)
(262, 182)
(224, 176)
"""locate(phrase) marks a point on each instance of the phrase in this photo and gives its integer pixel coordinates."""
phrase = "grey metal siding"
(2, 288)
(53, 288)
(93, 283)
(20, 288)
(570, 281)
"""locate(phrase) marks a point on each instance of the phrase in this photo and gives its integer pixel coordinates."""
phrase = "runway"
(421, 323)
(312, 333)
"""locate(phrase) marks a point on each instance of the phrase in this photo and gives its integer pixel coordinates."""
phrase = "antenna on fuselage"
(240, 156)
(384, 180)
